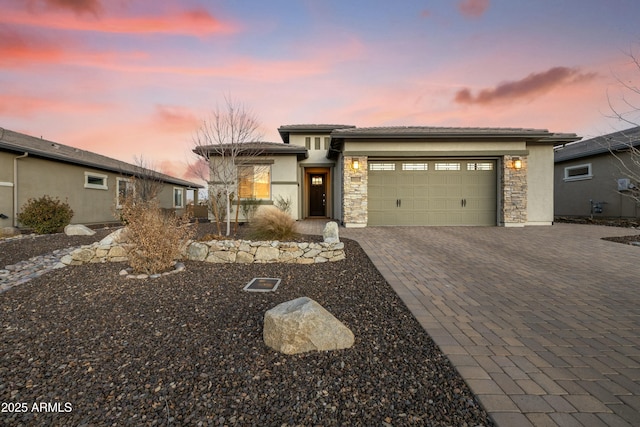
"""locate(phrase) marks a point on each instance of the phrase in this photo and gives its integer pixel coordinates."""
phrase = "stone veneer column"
(354, 192)
(514, 193)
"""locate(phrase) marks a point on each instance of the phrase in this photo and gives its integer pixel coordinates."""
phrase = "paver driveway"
(542, 322)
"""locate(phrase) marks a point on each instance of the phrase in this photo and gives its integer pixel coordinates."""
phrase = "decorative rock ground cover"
(187, 349)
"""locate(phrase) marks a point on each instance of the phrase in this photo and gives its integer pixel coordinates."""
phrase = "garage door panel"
(434, 192)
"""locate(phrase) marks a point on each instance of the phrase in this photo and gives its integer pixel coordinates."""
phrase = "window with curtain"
(255, 181)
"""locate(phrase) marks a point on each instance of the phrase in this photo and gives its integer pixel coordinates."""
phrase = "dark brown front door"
(317, 195)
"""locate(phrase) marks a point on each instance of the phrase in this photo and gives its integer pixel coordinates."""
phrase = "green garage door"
(432, 192)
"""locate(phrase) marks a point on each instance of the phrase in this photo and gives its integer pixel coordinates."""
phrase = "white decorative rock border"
(221, 251)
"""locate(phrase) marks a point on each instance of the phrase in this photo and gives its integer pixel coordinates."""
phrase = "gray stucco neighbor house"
(591, 179)
(412, 175)
(32, 167)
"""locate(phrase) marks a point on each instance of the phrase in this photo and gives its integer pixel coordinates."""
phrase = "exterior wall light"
(517, 163)
(355, 164)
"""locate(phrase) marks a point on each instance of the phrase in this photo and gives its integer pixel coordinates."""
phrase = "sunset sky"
(127, 78)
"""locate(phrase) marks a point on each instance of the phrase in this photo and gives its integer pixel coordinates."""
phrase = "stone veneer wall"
(354, 192)
(514, 192)
(222, 251)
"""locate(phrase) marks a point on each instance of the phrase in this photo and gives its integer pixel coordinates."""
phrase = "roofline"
(286, 130)
(63, 159)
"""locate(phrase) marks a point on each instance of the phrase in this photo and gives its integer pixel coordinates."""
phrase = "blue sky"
(136, 77)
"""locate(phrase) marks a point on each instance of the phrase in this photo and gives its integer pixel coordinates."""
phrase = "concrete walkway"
(543, 323)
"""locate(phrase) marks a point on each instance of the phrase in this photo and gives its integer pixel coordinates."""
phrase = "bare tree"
(229, 142)
(148, 181)
(626, 109)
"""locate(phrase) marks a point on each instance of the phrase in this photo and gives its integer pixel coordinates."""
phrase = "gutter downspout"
(15, 187)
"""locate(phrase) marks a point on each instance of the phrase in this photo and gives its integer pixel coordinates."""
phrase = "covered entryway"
(432, 192)
(316, 189)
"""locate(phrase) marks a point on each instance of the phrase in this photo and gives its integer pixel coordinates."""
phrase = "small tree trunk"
(235, 226)
(228, 213)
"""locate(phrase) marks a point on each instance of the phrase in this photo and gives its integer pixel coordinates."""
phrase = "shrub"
(45, 215)
(283, 204)
(270, 223)
(249, 206)
(156, 237)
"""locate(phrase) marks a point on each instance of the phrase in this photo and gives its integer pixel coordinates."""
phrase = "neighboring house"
(32, 167)
(409, 175)
(590, 178)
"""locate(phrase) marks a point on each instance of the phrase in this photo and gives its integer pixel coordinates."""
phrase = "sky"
(137, 78)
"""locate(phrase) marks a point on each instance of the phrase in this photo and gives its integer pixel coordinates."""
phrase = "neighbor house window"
(578, 172)
(382, 166)
(96, 181)
(255, 181)
(178, 197)
(125, 189)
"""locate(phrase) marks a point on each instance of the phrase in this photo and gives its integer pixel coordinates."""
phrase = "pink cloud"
(196, 22)
(473, 8)
(529, 87)
(79, 7)
(18, 48)
(175, 119)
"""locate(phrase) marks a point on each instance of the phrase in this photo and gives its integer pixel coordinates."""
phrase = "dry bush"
(270, 223)
(157, 237)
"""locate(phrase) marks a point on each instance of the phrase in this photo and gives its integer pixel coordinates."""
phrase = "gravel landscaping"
(89, 347)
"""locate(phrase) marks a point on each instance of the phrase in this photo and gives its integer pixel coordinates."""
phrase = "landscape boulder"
(118, 236)
(330, 232)
(9, 231)
(78, 230)
(303, 325)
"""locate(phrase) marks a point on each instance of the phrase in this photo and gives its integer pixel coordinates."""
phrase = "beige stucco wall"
(540, 185)
(316, 157)
(471, 148)
(572, 198)
(284, 181)
(39, 177)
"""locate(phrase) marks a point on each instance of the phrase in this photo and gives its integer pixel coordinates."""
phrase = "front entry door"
(317, 195)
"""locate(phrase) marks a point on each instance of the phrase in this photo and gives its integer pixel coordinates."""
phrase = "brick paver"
(542, 322)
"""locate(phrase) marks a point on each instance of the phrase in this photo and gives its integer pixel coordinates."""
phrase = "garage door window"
(447, 166)
(415, 166)
(382, 166)
(479, 166)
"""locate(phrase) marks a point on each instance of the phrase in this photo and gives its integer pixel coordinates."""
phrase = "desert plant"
(156, 237)
(45, 215)
(270, 223)
(283, 204)
(249, 206)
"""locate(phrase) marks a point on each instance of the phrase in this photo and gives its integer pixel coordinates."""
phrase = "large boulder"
(330, 232)
(303, 325)
(78, 230)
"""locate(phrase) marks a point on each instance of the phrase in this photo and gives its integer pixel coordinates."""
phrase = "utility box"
(624, 184)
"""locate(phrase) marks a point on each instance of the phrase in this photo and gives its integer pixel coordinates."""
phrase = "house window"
(95, 180)
(255, 181)
(578, 172)
(178, 197)
(307, 142)
(447, 166)
(488, 166)
(326, 142)
(125, 189)
(382, 166)
(415, 166)
(316, 180)
(317, 142)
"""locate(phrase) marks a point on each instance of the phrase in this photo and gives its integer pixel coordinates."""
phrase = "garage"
(432, 192)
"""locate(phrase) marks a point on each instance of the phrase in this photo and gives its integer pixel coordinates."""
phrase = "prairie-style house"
(92, 184)
(597, 177)
(413, 175)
